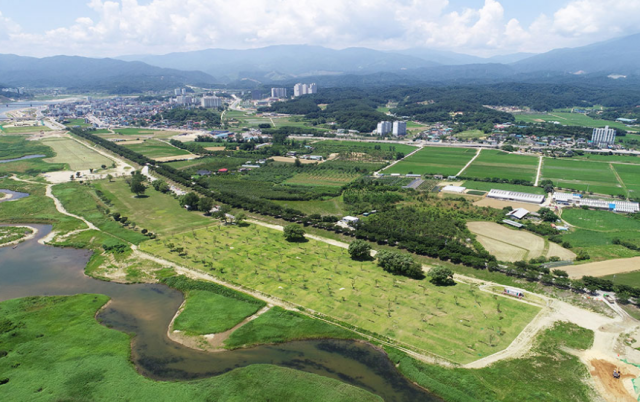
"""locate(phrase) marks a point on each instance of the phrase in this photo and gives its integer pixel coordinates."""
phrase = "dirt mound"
(614, 388)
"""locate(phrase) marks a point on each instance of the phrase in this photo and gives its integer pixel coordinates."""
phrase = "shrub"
(294, 233)
(399, 264)
(441, 276)
(360, 250)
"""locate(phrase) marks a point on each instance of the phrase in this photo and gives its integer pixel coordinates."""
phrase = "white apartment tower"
(304, 89)
(384, 128)
(604, 136)
(399, 128)
(211, 101)
(278, 92)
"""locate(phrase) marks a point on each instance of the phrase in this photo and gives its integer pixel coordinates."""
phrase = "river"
(147, 310)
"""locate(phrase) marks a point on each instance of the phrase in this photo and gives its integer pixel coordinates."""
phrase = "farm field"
(156, 149)
(604, 268)
(578, 175)
(630, 176)
(599, 220)
(328, 147)
(434, 160)
(503, 165)
(570, 119)
(488, 186)
(514, 245)
(158, 212)
(76, 155)
(609, 158)
(24, 130)
(322, 277)
(471, 134)
(333, 206)
(77, 122)
(628, 278)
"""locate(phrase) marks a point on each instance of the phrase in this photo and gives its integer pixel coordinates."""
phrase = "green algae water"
(146, 310)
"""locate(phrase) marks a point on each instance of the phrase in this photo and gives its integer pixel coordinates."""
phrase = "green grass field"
(492, 163)
(279, 325)
(75, 155)
(56, 350)
(323, 278)
(17, 146)
(531, 378)
(156, 149)
(159, 213)
(78, 122)
(328, 147)
(434, 160)
(599, 220)
(486, 186)
(331, 178)
(24, 130)
(570, 119)
(580, 175)
(471, 134)
(333, 206)
(609, 158)
(630, 176)
(629, 278)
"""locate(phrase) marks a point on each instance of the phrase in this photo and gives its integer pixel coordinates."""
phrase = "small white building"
(516, 196)
(454, 189)
(518, 213)
(350, 220)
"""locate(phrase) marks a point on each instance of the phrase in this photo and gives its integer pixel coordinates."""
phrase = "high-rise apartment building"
(603, 136)
(304, 89)
(278, 92)
(399, 128)
(211, 101)
(384, 128)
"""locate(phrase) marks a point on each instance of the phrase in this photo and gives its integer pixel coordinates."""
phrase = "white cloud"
(126, 27)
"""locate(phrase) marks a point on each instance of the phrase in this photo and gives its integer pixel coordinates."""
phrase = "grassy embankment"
(548, 374)
(595, 230)
(456, 322)
(13, 147)
(434, 160)
(92, 362)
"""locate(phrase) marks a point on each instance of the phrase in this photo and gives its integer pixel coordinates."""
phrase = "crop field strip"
(323, 278)
(156, 149)
(597, 177)
(434, 160)
(493, 163)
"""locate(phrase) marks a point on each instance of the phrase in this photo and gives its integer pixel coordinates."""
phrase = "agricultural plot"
(569, 119)
(24, 129)
(469, 134)
(610, 158)
(488, 186)
(579, 175)
(156, 149)
(434, 160)
(497, 164)
(330, 178)
(332, 206)
(76, 155)
(513, 245)
(77, 122)
(458, 323)
(380, 150)
(630, 176)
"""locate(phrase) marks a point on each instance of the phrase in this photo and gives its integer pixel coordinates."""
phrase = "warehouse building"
(609, 205)
(516, 196)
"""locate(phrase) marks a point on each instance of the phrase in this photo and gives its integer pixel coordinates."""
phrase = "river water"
(21, 159)
(147, 310)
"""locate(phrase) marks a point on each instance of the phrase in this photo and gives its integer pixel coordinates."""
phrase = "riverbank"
(33, 234)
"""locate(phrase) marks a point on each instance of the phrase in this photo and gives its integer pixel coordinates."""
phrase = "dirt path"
(470, 162)
(615, 173)
(539, 171)
(209, 342)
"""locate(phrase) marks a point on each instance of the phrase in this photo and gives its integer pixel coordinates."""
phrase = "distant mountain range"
(83, 72)
(286, 64)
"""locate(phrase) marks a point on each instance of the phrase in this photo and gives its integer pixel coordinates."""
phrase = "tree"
(441, 276)
(240, 218)
(623, 297)
(190, 200)
(161, 185)
(399, 264)
(548, 215)
(109, 177)
(294, 232)
(582, 255)
(360, 250)
(205, 204)
(297, 163)
(138, 188)
(577, 285)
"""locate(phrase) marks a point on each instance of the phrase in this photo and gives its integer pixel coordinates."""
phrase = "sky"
(109, 28)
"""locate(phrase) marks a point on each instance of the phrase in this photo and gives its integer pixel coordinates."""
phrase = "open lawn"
(56, 349)
(488, 186)
(630, 176)
(453, 322)
(24, 130)
(160, 213)
(434, 160)
(570, 119)
(599, 220)
(597, 177)
(76, 155)
(156, 149)
(332, 206)
(503, 165)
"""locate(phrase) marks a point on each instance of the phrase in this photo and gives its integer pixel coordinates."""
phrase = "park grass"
(56, 350)
(210, 313)
(582, 175)
(503, 165)
(157, 212)
(630, 176)
(75, 155)
(156, 149)
(279, 325)
(82, 200)
(24, 130)
(36, 209)
(549, 373)
(488, 186)
(327, 178)
(332, 206)
(570, 119)
(434, 160)
(453, 322)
